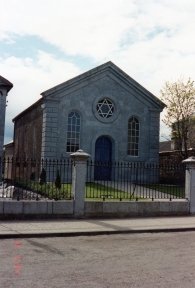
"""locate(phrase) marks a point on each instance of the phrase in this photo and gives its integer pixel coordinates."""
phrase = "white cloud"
(153, 41)
(76, 27)
(30, 78)
(100, 29)
(97, 28)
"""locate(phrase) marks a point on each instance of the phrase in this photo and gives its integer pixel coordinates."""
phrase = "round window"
(105, 108)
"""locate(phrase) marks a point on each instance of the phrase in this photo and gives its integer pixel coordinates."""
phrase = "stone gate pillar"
(78, 181)
(190, 182)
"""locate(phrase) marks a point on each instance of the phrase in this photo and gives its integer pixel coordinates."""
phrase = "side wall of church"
(28, 134)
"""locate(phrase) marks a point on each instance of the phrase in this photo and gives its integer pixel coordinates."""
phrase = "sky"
(46, 42)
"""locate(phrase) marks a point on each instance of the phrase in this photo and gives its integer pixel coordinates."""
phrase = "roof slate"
(165, 146)
(38, 102)
(4, 82)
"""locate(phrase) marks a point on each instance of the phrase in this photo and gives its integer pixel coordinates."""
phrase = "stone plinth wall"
(92, 209)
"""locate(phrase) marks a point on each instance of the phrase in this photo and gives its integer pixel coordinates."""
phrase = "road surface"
(134, 260)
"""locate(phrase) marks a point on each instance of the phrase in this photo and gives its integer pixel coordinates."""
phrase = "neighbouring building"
(169, 154)
(103, 111)
(5, 87)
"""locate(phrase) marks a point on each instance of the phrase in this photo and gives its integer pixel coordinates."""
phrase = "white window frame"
(133, 136)
(73, 132)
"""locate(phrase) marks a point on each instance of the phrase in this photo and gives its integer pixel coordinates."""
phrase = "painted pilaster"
(50, 131)
(154, 129)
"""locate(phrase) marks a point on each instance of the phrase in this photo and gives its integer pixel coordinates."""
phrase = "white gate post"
(78, 181)
(190, 182)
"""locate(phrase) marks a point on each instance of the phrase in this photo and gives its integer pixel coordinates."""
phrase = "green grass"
(168, 189)
(93, 191)
(46, 190)
(96, 191)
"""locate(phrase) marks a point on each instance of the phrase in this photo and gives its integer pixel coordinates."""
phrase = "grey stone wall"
(81, 94)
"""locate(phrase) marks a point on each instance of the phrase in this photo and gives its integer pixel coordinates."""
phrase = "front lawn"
(94, 190)
(174, 190)
(97, 191)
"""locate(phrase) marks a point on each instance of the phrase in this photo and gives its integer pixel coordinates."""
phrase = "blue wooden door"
(103, 157)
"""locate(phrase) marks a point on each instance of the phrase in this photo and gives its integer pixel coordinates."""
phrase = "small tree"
(58, 180)
(180, 110)
(42, 179)
(191, 133)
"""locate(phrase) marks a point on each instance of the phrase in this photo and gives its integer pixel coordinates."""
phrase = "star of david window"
(105, 108)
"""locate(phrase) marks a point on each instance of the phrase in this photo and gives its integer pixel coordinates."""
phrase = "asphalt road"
(133, 260)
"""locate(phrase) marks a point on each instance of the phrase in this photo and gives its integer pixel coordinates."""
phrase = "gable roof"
(11, 143)
(7, 84)
(116, 71)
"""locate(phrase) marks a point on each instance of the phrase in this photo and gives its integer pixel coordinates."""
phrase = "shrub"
(58, 180)
(42, 179)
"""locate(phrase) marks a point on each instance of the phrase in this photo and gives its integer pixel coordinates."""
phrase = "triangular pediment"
(107, 69)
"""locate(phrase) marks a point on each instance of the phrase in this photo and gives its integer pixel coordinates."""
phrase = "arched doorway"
(103, 153)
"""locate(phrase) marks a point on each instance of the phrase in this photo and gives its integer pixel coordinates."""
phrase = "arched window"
(133, 137)
(73, 133)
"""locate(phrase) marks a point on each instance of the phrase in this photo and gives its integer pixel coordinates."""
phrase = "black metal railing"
(52, 179)
(134, 181)
(36, 179)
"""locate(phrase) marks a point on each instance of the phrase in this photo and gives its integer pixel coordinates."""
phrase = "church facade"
(102, 111)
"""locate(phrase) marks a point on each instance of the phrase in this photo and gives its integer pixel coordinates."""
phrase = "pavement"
(90, 227)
